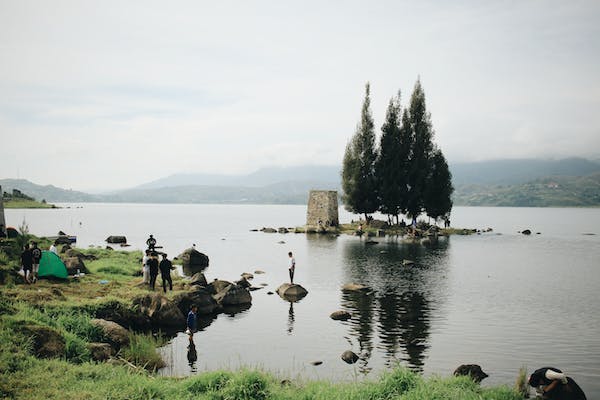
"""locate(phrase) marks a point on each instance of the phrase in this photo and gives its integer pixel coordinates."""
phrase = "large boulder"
(233, 295)
(193, 261)
(116, 239)
(114, 333)
(198, 279)
(217, 286)
(472, 370)
(75, 264)
(161, 311)
(200, 297)
(127, 317)
(291, 291)
(47, 342)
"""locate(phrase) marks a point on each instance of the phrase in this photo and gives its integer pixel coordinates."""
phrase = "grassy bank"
(65, 309)
(24, 203)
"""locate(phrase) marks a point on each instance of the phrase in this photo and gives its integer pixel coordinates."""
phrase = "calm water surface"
(499, 299)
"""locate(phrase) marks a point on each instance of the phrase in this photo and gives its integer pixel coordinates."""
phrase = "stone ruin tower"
(322, 208)
(2, 220)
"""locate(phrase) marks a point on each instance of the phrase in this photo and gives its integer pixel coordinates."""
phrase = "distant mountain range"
(567, 182)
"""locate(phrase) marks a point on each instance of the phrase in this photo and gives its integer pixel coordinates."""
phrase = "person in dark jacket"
(165, 267)
(36, 255)
(27, 262)
(153, 267)
(552, 383)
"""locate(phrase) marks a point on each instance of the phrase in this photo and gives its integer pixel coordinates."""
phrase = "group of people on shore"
(30, 260)
(151, 266)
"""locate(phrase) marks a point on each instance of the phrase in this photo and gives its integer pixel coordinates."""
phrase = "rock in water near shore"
(217, 286)
(233, 295)
(193, 261)
(200, 297)
(116, 239)
(355, 287)
(526, 232)
(115, 333)
(472, 370)
(198, 279)
(291, 292)
(162, 312)
(349, 357)
(340, 315)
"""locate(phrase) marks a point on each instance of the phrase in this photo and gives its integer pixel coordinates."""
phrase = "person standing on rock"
(292, 267)
(153, 267)
(165, 267)
(151, 242)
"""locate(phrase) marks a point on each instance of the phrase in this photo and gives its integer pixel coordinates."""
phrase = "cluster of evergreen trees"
(406, 174)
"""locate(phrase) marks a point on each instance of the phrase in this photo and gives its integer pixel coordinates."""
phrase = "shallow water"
(500, 299)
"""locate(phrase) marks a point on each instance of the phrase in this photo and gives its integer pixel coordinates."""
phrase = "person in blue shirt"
(191, 322)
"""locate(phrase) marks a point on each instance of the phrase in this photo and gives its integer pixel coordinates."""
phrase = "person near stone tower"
(165, 267)
(292, 266)
(151, 242)
(153, 266)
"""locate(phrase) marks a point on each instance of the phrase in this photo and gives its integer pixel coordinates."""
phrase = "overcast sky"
(112, 94)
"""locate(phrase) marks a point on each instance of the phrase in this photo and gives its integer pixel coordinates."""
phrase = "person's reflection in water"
(290, 318)
(192, 355)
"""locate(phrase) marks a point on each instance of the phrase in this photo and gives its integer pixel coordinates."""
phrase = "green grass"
(24, 203)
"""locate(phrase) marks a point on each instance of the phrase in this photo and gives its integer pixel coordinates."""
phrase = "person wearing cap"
(165, 267)
(151, 242)
(153, 267)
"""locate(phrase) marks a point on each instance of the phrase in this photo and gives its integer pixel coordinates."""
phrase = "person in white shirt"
(145, 267)
(53, 248)
(292, 267)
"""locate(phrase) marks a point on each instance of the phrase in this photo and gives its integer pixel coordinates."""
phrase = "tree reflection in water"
(398, 307)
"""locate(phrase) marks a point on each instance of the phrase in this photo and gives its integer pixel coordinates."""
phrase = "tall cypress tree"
(438, 193)
(422, 149)
(389, 165)
(358, 170)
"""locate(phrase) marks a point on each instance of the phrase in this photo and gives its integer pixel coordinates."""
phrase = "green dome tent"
(52, 266)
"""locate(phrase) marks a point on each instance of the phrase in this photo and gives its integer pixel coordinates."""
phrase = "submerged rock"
(340, 315)
(472, 370)
(291, 292)
(349, 357)
(116, 239)
(355, 287)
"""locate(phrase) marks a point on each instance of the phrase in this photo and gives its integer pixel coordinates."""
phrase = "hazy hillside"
(48, 192)
(262, 177)
(510, 172)
(568, 182)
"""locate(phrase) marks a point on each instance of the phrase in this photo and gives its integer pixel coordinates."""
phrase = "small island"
(18, 199)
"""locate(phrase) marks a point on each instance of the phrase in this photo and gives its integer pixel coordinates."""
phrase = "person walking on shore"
(146, 268)
(27, 262)
(165, 267)
(36, 255)
(292, 267)
(153, 267)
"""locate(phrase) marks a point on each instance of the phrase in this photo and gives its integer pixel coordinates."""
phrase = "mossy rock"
(47, 342)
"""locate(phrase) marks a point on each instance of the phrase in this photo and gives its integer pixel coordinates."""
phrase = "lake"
(500, 299)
